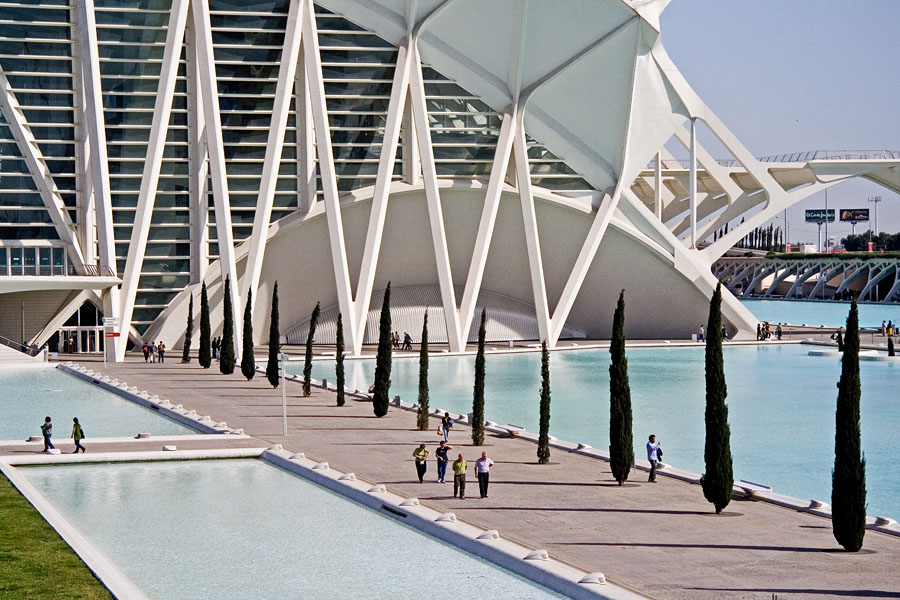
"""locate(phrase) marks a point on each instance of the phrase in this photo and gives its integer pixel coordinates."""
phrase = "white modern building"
(528, 157)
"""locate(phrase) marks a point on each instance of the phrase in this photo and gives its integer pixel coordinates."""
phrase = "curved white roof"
(584, 70)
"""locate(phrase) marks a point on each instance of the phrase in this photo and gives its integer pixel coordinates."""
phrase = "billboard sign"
(820, 215)
(854, 215)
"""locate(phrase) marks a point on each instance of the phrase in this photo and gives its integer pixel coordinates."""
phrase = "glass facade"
(36, 54)
(36, 57)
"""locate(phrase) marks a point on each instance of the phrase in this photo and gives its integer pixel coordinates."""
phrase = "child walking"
(77, 435)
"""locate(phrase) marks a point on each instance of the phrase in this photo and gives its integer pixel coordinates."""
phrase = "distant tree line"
(889, 242)
(770, 239)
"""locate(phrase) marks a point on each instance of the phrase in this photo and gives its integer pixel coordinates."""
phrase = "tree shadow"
(847, 593)
(701, 547)
(596, 510)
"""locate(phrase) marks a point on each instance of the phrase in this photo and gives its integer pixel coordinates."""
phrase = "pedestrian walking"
(778, 332)
(77, 435)
(483, 471)
(47, 432)
(459, 477)
(161, 350)
(441, 454)
(701, 337)
(446, 426)
(420, 454)
(153, 352)
(653, 453)
(146, 350)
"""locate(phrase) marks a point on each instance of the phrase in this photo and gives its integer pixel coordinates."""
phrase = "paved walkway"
(661, 539)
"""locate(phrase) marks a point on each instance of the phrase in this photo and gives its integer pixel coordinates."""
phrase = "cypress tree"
(543, 448)
(272, 373)
(621, 444)
(248, 360)
(848, 480)
(381, 395)
(307, 362)
(840, 341)
(890, 346)
(188, 333)
(719, 479)
(478, 394)
(226, 354)
(422, 416)
(339, 361)
(205, 356)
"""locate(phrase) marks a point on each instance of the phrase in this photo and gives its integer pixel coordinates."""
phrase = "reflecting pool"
(829, 314)
(29, 395)
(781, 407)
(244, 529)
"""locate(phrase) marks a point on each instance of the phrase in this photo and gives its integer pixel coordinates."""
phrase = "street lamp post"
(875, 200)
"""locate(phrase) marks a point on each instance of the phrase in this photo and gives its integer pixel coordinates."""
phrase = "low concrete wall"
(555, 575)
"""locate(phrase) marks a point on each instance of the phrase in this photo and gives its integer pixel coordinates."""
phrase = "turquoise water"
(29, 395)
(781, 407)
(244, 529)
(829, 314)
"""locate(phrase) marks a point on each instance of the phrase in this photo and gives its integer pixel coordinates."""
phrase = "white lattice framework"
(527, 59)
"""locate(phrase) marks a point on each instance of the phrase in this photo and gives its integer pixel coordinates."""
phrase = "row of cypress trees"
(848, 476)
(226, 352)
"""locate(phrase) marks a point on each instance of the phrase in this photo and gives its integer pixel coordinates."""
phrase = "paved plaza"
(661, 540)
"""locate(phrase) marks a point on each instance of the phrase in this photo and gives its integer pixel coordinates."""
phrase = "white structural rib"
(287, 71)
(657, 187)
(40, 173)
(692, 183)
(198, 178)
(532, 239)
(776, 198)
(209, 92)
(305, 137)
(86, 28)
(486, 223)
(159, 127)
(375, 232)
(96, 133)
(313, 64)
(432, 196)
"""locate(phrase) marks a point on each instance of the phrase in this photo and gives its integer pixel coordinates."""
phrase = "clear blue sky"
(797, 75)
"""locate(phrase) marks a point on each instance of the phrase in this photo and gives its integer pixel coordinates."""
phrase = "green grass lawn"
(36, 563)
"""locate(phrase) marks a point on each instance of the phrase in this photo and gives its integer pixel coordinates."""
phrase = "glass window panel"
(59, 261)
(30, 261)
(44, 267)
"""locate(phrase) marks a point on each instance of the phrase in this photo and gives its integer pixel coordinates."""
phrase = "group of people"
(405, 344)
(459, 467)
(154, 352)
(701, 334)
(77, 435)
(216, 347)
(764, 331)
(888, 328)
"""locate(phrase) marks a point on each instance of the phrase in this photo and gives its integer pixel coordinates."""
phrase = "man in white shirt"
(653, 457)
(482, 469)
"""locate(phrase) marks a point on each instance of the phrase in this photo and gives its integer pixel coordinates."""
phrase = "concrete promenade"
(661, 540)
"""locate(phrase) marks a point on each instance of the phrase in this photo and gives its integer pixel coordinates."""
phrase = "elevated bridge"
(869, 277)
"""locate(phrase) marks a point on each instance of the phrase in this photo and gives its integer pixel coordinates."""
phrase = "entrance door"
(81, 340)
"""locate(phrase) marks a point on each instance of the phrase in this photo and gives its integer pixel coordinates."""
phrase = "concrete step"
(10, 356)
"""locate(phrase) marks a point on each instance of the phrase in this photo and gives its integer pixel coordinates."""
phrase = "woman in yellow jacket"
(77, 435)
